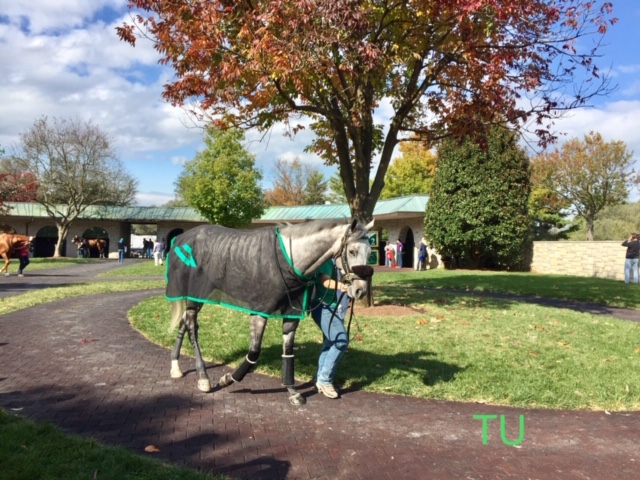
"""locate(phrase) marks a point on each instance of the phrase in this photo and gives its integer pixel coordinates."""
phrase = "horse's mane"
(312, 226)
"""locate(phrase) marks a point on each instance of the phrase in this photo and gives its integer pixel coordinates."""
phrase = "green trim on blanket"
(291, 316)
(288, 259)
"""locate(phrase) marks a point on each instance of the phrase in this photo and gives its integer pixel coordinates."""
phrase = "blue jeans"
(334, 340)
(631, 270)
(120, 256)
(400, 259)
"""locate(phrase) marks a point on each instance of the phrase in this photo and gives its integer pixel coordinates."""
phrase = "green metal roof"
(399, 205)
(392, 206)
(139, 214)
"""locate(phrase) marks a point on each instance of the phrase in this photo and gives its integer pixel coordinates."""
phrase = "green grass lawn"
(46, 263)
(459, 348)
(585, 289)
(139, 267)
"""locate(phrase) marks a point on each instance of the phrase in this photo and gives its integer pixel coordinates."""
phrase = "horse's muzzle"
(362, 272)
(358, 280)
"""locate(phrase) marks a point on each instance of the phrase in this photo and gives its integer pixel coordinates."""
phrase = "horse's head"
(352, 259)
(19, 241)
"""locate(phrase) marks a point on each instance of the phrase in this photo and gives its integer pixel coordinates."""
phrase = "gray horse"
(265, 272)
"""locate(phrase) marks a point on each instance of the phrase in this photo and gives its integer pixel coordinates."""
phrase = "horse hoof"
(225, 380)
(297, 399)
(204, 385)
(175, 369)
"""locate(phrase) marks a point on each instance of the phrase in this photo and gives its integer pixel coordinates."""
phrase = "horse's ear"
(354, 222)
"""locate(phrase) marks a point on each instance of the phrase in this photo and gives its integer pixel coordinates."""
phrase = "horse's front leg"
(5, 269)
(257, 324)
(289, 328)
(191, 322)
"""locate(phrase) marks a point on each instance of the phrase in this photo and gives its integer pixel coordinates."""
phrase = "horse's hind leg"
(175, 353)
(289, 328)
(190, 321)
(257, 325)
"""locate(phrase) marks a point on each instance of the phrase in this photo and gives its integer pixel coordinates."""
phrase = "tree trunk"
(590, 229)
(63, 231)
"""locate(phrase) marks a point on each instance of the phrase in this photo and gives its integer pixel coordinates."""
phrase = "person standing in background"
(422, 255)
(631, 258)
(388, 255)
(121, 250)
(158, 252)
(399, 253)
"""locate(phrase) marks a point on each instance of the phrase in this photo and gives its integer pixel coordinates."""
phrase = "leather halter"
(348, 273)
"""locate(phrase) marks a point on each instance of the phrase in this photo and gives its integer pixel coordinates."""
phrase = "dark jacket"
(633, 248)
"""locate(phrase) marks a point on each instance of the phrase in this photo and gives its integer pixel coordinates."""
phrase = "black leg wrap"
(245, 367)
(287, 371)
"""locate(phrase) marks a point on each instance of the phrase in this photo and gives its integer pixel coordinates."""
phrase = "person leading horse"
(9, 244)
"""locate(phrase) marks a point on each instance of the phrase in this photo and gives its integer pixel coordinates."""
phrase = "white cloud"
(47, 15)
(614, 121)
(149, 199)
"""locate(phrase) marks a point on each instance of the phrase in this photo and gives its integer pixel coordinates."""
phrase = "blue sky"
(63, 59)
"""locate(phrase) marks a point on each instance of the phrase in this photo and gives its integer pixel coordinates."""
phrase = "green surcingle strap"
(288, 259)
(187, 257)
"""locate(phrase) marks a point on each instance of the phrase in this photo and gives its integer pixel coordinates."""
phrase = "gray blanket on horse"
(247, 270)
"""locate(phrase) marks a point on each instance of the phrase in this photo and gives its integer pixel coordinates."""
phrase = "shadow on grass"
(360, 368)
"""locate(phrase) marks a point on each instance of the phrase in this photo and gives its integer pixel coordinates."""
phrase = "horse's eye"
(353, 252)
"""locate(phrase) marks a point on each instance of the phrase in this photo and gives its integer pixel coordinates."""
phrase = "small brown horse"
(99, 244)
(9, 243)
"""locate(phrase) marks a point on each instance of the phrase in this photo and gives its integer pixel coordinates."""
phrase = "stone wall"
(583, 259)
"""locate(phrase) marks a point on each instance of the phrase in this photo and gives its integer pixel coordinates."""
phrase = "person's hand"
(343, 286)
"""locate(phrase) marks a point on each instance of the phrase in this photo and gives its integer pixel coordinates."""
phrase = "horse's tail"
(177, 312)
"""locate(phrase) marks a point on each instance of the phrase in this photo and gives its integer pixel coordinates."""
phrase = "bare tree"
(75, 166)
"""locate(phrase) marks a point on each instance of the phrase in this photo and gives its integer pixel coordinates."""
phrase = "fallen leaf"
(607, 412)
(422, 321)
(534, 354)
(151, 449)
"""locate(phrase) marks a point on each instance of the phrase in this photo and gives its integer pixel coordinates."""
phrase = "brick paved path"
(115, 386)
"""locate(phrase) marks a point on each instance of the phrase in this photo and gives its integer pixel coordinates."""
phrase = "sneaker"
(328, 390)
(7, 274)
(20, 275)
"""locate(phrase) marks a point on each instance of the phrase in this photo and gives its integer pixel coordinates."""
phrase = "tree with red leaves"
(15, 185)
(437, 68)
